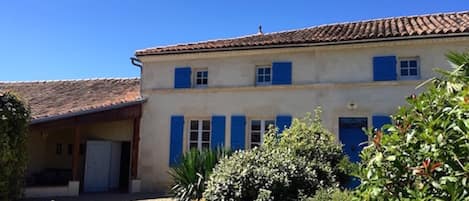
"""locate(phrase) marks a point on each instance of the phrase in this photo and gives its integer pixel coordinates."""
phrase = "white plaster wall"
(326, 77)
(351, 64)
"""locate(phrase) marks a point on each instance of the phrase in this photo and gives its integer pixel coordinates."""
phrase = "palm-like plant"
(190, 175)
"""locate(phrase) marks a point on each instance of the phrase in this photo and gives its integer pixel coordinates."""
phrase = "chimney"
(259, 32)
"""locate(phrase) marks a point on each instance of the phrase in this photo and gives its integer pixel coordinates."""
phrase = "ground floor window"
(199, 134)
(258, 129)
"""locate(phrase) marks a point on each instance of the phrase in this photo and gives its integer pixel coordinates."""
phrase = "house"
(101, 135)
(226, 92)
(84, 135)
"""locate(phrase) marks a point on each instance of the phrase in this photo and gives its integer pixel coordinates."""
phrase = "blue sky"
(65, 39)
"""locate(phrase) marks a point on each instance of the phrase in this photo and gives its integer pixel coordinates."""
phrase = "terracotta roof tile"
(423, 25)
(52, 98)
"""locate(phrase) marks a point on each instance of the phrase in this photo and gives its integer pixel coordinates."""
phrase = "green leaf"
(436, 184)
(440, 138)
(369, 174)
(391, 158)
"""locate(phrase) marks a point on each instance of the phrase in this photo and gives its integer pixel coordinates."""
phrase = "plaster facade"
(331, 77)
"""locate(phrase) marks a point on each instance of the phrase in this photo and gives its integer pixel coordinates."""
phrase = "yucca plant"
(190, 175)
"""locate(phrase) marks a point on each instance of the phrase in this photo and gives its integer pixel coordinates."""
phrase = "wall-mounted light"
(352, 105)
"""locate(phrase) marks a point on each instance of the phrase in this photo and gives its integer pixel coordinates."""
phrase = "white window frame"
(408, 77)
(200, 131)
(263, 83)
(262, 131)
(196, 71)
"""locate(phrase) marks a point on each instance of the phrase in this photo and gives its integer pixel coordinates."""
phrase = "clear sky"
(75, 39)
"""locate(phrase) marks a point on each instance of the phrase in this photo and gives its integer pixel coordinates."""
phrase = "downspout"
(136, 62)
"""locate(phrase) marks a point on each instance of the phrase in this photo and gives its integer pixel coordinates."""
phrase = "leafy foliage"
(190, 175)
(14, 119)
(304, 158)
(424, 155)
(331, 194)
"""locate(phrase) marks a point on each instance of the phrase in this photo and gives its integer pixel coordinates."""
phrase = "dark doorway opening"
(124, 168)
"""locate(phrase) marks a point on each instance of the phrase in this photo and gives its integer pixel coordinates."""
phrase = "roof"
(56, 98)
(398, 28)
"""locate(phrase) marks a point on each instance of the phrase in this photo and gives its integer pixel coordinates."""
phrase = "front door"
(97, 166)
(353, 138)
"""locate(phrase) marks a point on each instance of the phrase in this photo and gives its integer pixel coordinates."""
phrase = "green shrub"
(332, 194)
(14, 119)
(424, 155)
(305, 158)
(190, 175)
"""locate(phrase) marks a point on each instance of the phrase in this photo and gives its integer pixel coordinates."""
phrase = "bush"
(190, 175)
(14, 119)
(305, 158)
(332, 194)
(424, 155)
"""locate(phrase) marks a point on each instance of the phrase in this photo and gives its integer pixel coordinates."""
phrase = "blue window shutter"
(218, 131)
(182, 77)
(176, 139)
(282, 122)
(384, 68)
(380, 120)
(281, 73)
(238, 132)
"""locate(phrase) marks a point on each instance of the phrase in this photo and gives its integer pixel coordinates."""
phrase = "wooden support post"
(76, 153)
(135, 144)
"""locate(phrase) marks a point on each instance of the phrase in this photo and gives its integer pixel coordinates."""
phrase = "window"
(258, 129)
(199, 134)
(201, 78)
(58, 149)
(409, 68)
(263, 75)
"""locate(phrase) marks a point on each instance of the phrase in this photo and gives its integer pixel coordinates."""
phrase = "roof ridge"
(368, 20)
(200, 41)
(256, 39)
(68, 80)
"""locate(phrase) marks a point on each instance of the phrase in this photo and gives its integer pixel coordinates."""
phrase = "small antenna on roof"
(260, 30)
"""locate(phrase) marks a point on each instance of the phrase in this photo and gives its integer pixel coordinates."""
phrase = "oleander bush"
(14, 119)
(289, 166)
(190, 175)
(424, 155)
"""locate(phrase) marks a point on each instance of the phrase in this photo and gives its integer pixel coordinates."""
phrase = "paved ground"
(108, 197)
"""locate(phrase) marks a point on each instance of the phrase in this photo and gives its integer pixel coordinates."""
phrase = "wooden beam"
(135, 147)
(129, 112)
(76, 153)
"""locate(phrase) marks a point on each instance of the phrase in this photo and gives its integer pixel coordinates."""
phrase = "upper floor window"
(263, 75)
(201, 78)
(258, 129)
(409, 68)
(199, 134)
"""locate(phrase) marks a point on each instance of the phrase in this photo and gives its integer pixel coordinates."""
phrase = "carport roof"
(49, 99)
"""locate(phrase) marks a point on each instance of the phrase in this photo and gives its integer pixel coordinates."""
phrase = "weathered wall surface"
(330, 77)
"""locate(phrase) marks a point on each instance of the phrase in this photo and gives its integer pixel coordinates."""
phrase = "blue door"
(352, 136)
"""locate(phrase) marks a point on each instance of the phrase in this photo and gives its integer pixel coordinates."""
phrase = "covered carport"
(84, 136)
